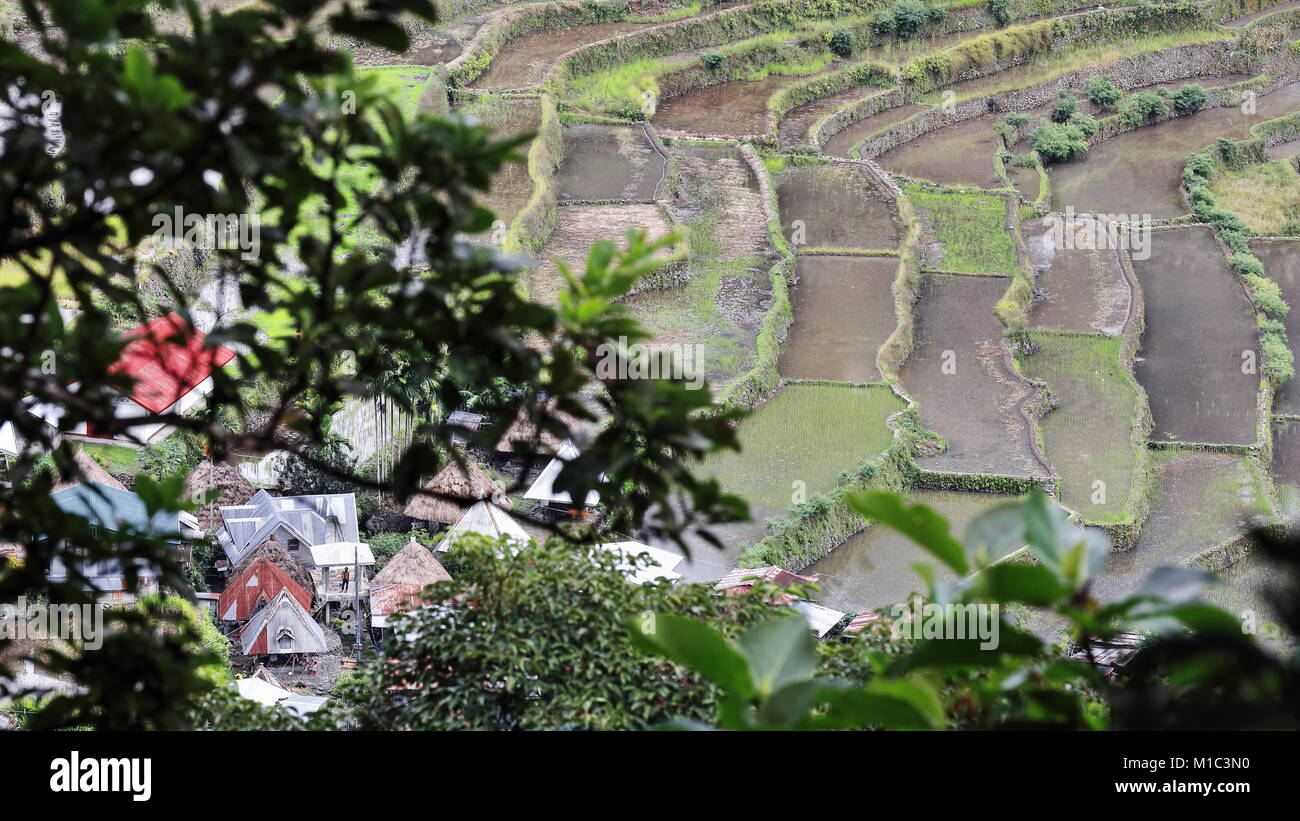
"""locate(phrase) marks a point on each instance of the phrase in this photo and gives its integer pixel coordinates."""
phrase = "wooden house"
(255, 587)
(283, 627)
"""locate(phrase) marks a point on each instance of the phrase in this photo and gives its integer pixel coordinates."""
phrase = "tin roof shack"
(560, 502)
(116, 511)
(327, 564)
(489, 521)
(297, 522)
(172, 366)
(447, 497)
(254, 588)
(821, 620)
(281, 628)
(267, 690)
(661, 567)
(399, 586)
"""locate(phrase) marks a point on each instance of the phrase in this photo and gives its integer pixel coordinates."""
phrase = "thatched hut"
(413, 564)
(523, 436)
(446, 498)
(281, 558)
(232, 489)
(90, 472)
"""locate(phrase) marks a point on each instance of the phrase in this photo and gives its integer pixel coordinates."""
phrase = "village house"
(172, 367)
(113, 509)
(491, 522)
(450, 494)
(399, 586)
(560, 502)
(297, 522)
(283, 627)
(821, 620)
(256, 586)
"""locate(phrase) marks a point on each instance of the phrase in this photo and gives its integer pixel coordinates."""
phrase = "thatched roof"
(281, 558)
(413, 564)
(232, 489)
(457, 489)
(523, 437)
(90, 470)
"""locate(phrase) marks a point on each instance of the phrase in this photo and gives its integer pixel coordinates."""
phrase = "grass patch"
(971, 228)
(807, 433)
(1266, 195)
(114, 458)
(1089, 438)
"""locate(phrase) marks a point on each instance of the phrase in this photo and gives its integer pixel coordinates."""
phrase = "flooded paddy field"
(957, 373)
(959, 154)
(728, 288)
(610, 162)
(1281, 260)
(524, 61)
(874, 568)
(576, 228)
(734, 109)
(1198, 326)
(964, 233)
(1088, 438)
(1139, 172)
(842, 141)
(1202, 499)
(835, 205)
(1286, 466)
(843, 313)
(1078, 289)
(511, 187)
(796, 123)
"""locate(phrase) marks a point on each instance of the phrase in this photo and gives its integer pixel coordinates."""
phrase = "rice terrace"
(925, 265)
(872, 202)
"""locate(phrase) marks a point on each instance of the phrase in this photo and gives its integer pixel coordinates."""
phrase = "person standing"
(347, 576)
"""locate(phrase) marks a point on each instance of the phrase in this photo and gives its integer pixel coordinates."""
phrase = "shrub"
(1189, 98)
(713, 60)
(1101, 91)
(1246, 265)
(1058, 142)
(1142, 106)
(904, 18)
(1267, 296)
(1085, 123)
(843, 42)
(1017, 119)
(1001, 11)
(1064, 110)
(1279, 362)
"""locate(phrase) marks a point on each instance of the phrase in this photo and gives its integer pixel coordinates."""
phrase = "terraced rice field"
(1281, 260)
(1088, 438)
(1199, 342)
(1079, 288)
(843, 141)
(957, 373)
(874, 569)
(965, 233)
(800, 442)
(843, 313)
(576, 228)
(610, 162)
(959, 154)
(835, 206)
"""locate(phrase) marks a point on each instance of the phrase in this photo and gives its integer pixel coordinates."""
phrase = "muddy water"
(604, 162)
(511, 187)
(1200, 501)
(957, 374)
(1281, 260)
(840, 142)
(1139, 172)
(843, 313)
(524, 61)
(874, 568)
(1077, 289)
(835, 205)
(735, 109)
(1025, 181)
(1283, 151)
(1286, 452)
(798, 120)
(960, 154)
(898, 52)
(1198, 324)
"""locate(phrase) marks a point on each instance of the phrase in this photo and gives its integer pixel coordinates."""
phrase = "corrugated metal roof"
(312, 520)
(257, 585)
(113, 509)
(267, 694)
(395, 598)
(543, 488)
(820, 619)
(664, 560)
(337, 554)
(283, 626)
(489, 521)
(168, 358)
(747, 577)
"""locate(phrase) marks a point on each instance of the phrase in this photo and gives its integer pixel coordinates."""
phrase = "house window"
(284, 639)
(293, 545)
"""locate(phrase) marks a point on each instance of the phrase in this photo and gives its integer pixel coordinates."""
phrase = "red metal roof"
(396, 598)
(261, 581)
(168, 359)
